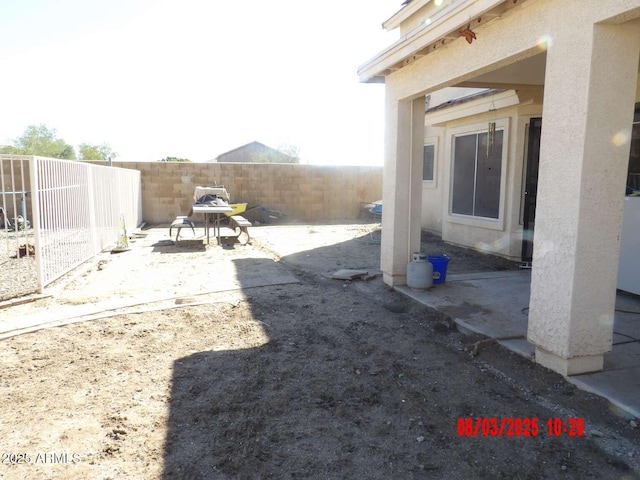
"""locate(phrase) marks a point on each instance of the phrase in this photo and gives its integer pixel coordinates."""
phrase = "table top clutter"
(211, 201)
(219, 192)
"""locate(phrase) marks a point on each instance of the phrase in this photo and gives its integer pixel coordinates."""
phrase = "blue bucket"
(439, 263)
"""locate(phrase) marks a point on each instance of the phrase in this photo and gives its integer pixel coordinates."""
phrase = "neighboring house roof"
(255, 152)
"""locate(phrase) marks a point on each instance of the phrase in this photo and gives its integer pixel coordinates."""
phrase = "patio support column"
(583, 166)
(402, 187)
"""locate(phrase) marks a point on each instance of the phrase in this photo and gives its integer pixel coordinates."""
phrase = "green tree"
(175, 159)
(88, 151)
(41, 140)
(292, 151)
(8, 149)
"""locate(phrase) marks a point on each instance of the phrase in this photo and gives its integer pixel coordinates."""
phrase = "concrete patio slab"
(620, 387)
(495, 304)
(490, 303)
(155, 272)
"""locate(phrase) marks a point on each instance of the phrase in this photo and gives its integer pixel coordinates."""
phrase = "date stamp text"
(520, 426)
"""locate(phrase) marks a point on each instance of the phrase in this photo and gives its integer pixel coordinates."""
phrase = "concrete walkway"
(495, 304)
(156, 273)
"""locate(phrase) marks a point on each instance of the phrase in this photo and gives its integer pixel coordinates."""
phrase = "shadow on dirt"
(327, 384)
(181, 246)
(315, 398)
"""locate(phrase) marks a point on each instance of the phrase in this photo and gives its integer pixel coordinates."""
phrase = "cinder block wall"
(302, 192)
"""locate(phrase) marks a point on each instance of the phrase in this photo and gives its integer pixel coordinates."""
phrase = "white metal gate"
(74, 210)
(17, 263)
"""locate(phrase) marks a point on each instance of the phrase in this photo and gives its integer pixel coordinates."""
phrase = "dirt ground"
(249, 363)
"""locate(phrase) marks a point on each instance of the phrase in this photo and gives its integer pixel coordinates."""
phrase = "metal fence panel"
(17, 262)
(74, 209)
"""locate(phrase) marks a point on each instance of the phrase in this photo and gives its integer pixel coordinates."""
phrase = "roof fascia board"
(461, 12)
(404, 13)
(473, 107)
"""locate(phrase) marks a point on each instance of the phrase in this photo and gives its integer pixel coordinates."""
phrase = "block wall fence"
(302, 192)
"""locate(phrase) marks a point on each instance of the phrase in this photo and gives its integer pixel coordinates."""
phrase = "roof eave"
(404, 13)
(491, 99)
(414, 45)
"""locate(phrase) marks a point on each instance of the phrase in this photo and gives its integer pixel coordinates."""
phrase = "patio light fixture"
(491, 130)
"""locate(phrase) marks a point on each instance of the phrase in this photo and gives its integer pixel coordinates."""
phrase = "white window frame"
(471, 129)
(432, 183)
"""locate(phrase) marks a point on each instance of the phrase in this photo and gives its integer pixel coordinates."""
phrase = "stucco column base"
(579, 202)
(569, 366)
(394, 280)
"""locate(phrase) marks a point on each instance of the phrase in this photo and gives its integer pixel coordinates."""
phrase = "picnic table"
(214, 203)
(216, 211)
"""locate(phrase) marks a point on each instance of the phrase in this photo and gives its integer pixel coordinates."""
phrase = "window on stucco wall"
(428, 169)
(477, 173)
(633, 176)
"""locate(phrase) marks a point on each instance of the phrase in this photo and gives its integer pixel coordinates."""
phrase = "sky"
(196, 78)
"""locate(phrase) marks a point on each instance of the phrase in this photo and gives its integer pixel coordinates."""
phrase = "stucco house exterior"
(509, 127)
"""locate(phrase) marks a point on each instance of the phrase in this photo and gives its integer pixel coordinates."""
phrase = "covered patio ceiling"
(527, 72)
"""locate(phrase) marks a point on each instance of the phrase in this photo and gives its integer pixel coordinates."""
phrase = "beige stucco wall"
(303, 192)
(417, 19)
(458, 62)
(590, 84)
(506, 241)
(505, 236)
(491, 235)
(432, 191)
